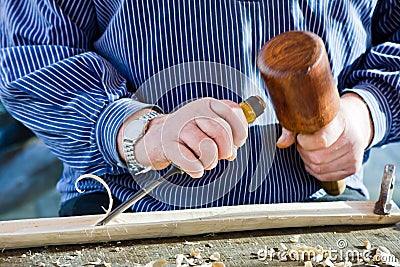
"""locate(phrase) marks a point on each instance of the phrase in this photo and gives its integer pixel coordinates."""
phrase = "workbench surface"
(236, 249)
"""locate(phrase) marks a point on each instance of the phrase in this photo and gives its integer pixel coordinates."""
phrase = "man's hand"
(194, 137)
(337, 150)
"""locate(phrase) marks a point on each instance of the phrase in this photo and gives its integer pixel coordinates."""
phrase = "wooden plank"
(75, 230)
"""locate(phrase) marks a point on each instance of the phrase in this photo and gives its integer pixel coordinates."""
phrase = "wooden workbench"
(236, 249)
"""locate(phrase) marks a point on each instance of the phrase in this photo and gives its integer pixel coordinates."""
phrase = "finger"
(327, 155)
(234, 155)
(323, 138)
(183, 157)
(332, 176)
(286, 139)
(220, 131)
(335, 170)
(208, 153)
(233, 114)
(238, 110)
(201, 145)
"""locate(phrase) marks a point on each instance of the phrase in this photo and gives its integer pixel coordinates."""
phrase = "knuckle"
(310, 171)
(352, 169)
(314, 169)
(317, 169)
(207, 148)
(315, 158)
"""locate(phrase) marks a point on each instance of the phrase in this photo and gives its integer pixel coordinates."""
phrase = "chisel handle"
(295, 68)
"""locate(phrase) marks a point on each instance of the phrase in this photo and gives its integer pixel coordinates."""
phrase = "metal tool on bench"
(252, 107)
(383, 206)
(295, 68)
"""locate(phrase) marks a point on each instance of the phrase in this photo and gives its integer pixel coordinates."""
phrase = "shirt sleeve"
(377, 75)
(52, 81)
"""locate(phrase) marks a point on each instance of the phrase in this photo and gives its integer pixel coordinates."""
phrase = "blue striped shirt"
(72, 71)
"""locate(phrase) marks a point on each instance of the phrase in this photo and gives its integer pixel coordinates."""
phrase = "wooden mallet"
(295, 68)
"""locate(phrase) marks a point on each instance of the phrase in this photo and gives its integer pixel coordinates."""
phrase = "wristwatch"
(132, 132)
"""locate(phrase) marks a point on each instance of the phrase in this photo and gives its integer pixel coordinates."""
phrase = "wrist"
(359, 105)
(107, 126)
(149, 150)
(130, 132)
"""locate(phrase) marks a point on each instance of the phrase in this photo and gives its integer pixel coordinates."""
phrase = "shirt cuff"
(378, 108)
(110, 120)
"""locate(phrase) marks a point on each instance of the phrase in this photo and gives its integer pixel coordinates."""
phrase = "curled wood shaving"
(97, 178)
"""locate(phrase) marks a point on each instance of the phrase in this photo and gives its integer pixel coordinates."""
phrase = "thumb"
(286, 139)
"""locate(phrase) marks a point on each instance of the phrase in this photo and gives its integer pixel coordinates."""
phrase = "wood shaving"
(156, 263)
(188, 243)
(295, 239)
(195, 253)
(329, 263)
(367, 245)
(179, 259)
(215, 256)
(117, 249)
(319, 257)
(283, 246)
(195, 259)
(97, 262)
(97, 178)
(59, 264)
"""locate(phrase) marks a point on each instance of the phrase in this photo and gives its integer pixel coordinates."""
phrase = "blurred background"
(29, 172)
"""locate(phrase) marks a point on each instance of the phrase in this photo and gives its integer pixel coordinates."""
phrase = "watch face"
(134, 129)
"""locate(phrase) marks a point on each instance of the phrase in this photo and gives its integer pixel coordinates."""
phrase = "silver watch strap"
(129, 147)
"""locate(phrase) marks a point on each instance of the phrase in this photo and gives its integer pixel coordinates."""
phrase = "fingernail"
(234, 154)
(283, 137)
